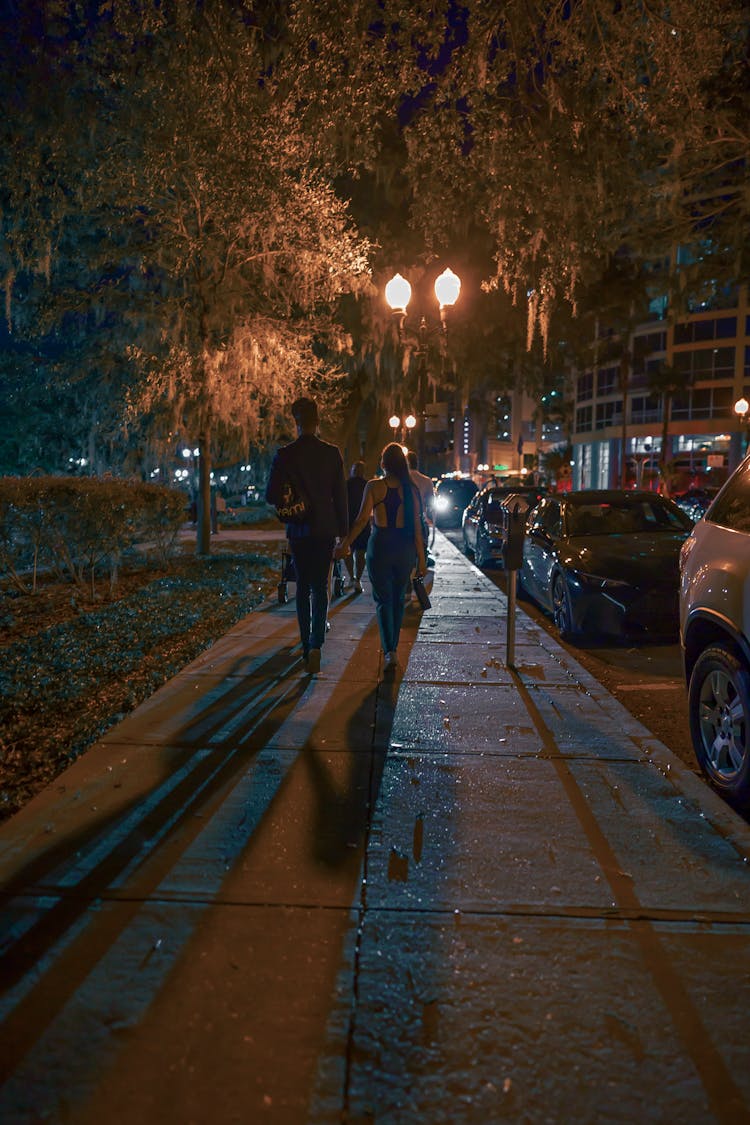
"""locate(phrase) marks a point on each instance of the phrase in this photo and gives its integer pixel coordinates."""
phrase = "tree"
(210, 231)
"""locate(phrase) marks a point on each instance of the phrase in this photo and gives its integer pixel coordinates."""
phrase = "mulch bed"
(71, 667)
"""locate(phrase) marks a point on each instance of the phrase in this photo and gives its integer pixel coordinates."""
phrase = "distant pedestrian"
(317, 468)
(355, 490)
(396, 541)
(426, 490)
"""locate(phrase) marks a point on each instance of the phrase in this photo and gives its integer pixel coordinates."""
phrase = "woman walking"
(395, 542)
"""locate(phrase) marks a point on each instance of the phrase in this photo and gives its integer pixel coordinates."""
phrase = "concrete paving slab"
(491, 718)
(108, 793)
(484, 608)
(571, 713)
(333, 716)
(264, 624)
(445, 661)
(588, 855)
(478, 630)
(485, 1019)
(244, 991)
(476, 835)
(208, 709)
(664, 848)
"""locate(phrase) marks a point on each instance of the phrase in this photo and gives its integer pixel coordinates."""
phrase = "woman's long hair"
(394, 462)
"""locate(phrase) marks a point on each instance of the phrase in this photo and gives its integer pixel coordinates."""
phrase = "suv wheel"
(719, 711)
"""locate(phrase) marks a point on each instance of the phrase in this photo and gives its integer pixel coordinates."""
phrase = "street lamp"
(397, 295)
(406, 425)
(447, 289)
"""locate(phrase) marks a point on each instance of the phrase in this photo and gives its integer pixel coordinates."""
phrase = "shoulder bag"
(293, 505)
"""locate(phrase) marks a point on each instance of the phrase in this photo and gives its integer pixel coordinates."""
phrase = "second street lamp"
(406, 425)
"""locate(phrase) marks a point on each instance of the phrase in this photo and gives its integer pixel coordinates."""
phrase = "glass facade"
(710, 355)
(706, 363)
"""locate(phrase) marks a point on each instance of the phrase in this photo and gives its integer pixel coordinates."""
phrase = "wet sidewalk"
(475, 894)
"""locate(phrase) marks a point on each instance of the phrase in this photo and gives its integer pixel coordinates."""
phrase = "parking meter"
(513, 561)
(516, 534)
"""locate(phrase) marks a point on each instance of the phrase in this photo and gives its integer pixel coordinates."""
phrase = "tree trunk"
(624, 385)
(666, 404)
(203, 540)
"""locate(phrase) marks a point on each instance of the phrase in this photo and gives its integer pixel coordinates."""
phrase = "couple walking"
(395, 546)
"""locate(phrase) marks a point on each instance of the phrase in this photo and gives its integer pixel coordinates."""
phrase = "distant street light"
(397, 295)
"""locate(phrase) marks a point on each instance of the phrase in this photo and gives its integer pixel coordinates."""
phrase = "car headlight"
(596, 581)
(442, 504)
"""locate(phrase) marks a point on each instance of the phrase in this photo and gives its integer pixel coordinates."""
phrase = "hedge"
(77, 526)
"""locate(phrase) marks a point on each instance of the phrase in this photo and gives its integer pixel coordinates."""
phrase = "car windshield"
(624, 516)
(493, 505)
(502, 500)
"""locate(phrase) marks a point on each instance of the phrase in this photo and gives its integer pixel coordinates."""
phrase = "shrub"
(75, 526)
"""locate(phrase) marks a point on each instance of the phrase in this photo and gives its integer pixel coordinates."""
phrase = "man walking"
(426, 490)
(317, 469)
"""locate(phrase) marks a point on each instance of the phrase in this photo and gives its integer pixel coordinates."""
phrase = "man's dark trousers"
(312, 561)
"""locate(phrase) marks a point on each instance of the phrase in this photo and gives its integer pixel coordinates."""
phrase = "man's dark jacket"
(318, 469)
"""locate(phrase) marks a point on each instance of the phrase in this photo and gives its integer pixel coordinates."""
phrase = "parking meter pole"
(510, 639)
(513, 563)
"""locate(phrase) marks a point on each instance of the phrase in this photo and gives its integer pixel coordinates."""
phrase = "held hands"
(341, 550)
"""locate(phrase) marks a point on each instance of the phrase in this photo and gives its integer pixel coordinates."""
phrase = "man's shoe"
(357, 586)
(313, 661)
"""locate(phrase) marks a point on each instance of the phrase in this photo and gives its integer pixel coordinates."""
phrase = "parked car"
(715, 636)
(606, 561)
(695, 501)
(485, 520)
(452, 494)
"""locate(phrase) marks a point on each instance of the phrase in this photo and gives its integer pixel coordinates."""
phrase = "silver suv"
(715, 635)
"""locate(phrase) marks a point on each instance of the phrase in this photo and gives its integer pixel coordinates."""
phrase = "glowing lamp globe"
(741, 407)
(447, 288)
(394, 421)
(398, 293)
(410, 421)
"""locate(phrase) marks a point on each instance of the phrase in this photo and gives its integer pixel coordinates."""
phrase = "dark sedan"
(485, 521)
(452, 494)
(606, 561)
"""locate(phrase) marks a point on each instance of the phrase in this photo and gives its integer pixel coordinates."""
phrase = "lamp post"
(398, 294)
(741, 409)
